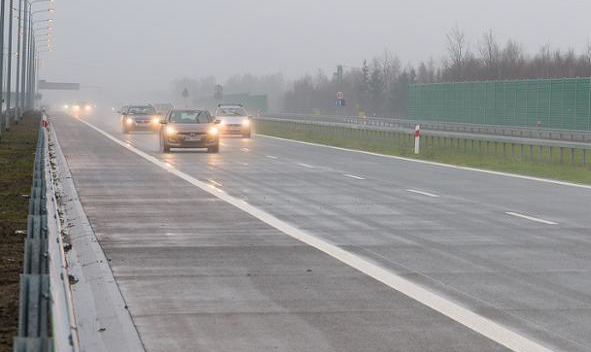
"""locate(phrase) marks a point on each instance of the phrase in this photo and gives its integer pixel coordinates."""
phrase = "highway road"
(299, 247)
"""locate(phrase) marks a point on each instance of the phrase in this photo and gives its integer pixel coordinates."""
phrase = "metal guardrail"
(512, 131)
(45, 298)
(33, 329)
(538, 149)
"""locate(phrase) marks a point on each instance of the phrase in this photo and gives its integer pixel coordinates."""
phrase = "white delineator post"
(417, 138)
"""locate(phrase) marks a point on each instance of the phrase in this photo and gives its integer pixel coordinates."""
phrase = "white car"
(234, 120)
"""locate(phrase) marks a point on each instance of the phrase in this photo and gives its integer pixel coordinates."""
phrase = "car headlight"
(66, 106)
(76, 107)
(88, 107)
(246, 123)
(156, 120)
(129, 120)
(170, 130)
(213, 131)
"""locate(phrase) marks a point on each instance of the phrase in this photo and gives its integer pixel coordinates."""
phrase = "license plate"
(192, 139)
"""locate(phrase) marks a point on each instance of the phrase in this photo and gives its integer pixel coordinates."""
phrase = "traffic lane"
(565, 204)
(510, 272)
(197, 273)
(460, 249)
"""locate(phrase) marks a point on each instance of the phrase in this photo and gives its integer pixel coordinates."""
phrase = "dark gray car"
(189, 129)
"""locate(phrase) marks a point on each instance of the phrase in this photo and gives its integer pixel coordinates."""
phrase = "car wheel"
(215, 149)
(163, 147)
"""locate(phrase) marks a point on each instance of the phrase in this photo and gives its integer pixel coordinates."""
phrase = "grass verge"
(449, 152)
(17, 149)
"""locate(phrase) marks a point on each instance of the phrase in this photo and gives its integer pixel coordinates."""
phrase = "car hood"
(232, 119)
(192, 127)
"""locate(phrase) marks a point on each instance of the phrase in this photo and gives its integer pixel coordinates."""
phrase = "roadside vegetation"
(453, 152)
(17, 149)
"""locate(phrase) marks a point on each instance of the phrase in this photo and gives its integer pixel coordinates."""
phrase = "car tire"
(163, 147)
(215, 149)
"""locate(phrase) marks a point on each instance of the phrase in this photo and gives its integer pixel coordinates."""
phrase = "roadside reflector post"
(417, 138)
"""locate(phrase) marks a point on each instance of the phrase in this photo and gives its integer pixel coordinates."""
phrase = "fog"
(136, 48)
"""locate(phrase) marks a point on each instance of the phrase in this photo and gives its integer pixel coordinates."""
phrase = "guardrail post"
(572, 155)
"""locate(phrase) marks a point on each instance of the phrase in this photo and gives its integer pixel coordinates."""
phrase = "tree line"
(380, 85)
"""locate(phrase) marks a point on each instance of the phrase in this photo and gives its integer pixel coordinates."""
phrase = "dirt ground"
(17, 148)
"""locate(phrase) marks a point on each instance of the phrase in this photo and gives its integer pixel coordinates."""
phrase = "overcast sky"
(148, 43)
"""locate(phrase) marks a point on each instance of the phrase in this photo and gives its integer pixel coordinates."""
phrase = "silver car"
(139, 117)
(189, 129)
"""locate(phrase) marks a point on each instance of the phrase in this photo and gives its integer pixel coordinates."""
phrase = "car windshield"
(190, 116)
(141, 110)
(233, 111)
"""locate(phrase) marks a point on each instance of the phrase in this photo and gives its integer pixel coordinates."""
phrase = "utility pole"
(23, 57)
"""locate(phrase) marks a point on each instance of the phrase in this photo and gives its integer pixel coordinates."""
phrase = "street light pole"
(9, 69)
(2, 17)
(17, 107)
(24, 54)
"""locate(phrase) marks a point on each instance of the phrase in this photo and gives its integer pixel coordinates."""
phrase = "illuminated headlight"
(156, 120)
(213, 131)
(76, 107)
(222, 122)
(66, 106)
(87, 107)
(246, 123)
(129, 121)
(170, 131)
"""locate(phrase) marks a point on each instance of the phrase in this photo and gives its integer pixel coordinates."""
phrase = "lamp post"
(9, 69)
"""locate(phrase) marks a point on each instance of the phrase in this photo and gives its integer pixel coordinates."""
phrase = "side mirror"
(250, 117)
(217, 122)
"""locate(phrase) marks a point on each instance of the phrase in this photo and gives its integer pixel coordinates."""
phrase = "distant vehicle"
(189, 129)
(79, 108)
(233, 119)
(139, 117)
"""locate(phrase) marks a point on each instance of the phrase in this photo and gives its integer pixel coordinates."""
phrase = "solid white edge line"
(464, 316)
(245, 149)
(272, 157)
(353, 176)
(306, 165)
(423, 193)
(465, 168)
(531, 218)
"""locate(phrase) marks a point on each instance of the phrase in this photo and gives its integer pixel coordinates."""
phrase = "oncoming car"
(233, 120)
(139, 117)
(189, 129)
(79, 108)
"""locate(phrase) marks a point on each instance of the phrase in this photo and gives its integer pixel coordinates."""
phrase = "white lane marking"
(306, 165)
(272, 157)
(423, 193)
(353, 176)
(215, 182)
(465, 168)
(245, 149)
(462, 315)
(531, 218)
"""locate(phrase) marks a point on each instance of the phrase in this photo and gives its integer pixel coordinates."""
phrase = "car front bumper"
(203, 141)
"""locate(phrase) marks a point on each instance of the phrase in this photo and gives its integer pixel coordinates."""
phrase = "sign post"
(417, 138)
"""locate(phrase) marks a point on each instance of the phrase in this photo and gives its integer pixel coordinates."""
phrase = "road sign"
(185, 93)
(218, 93)
(43, 84)
(340, 95)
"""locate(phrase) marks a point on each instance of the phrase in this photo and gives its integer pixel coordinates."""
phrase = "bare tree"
(489, 54)
(457, 47)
